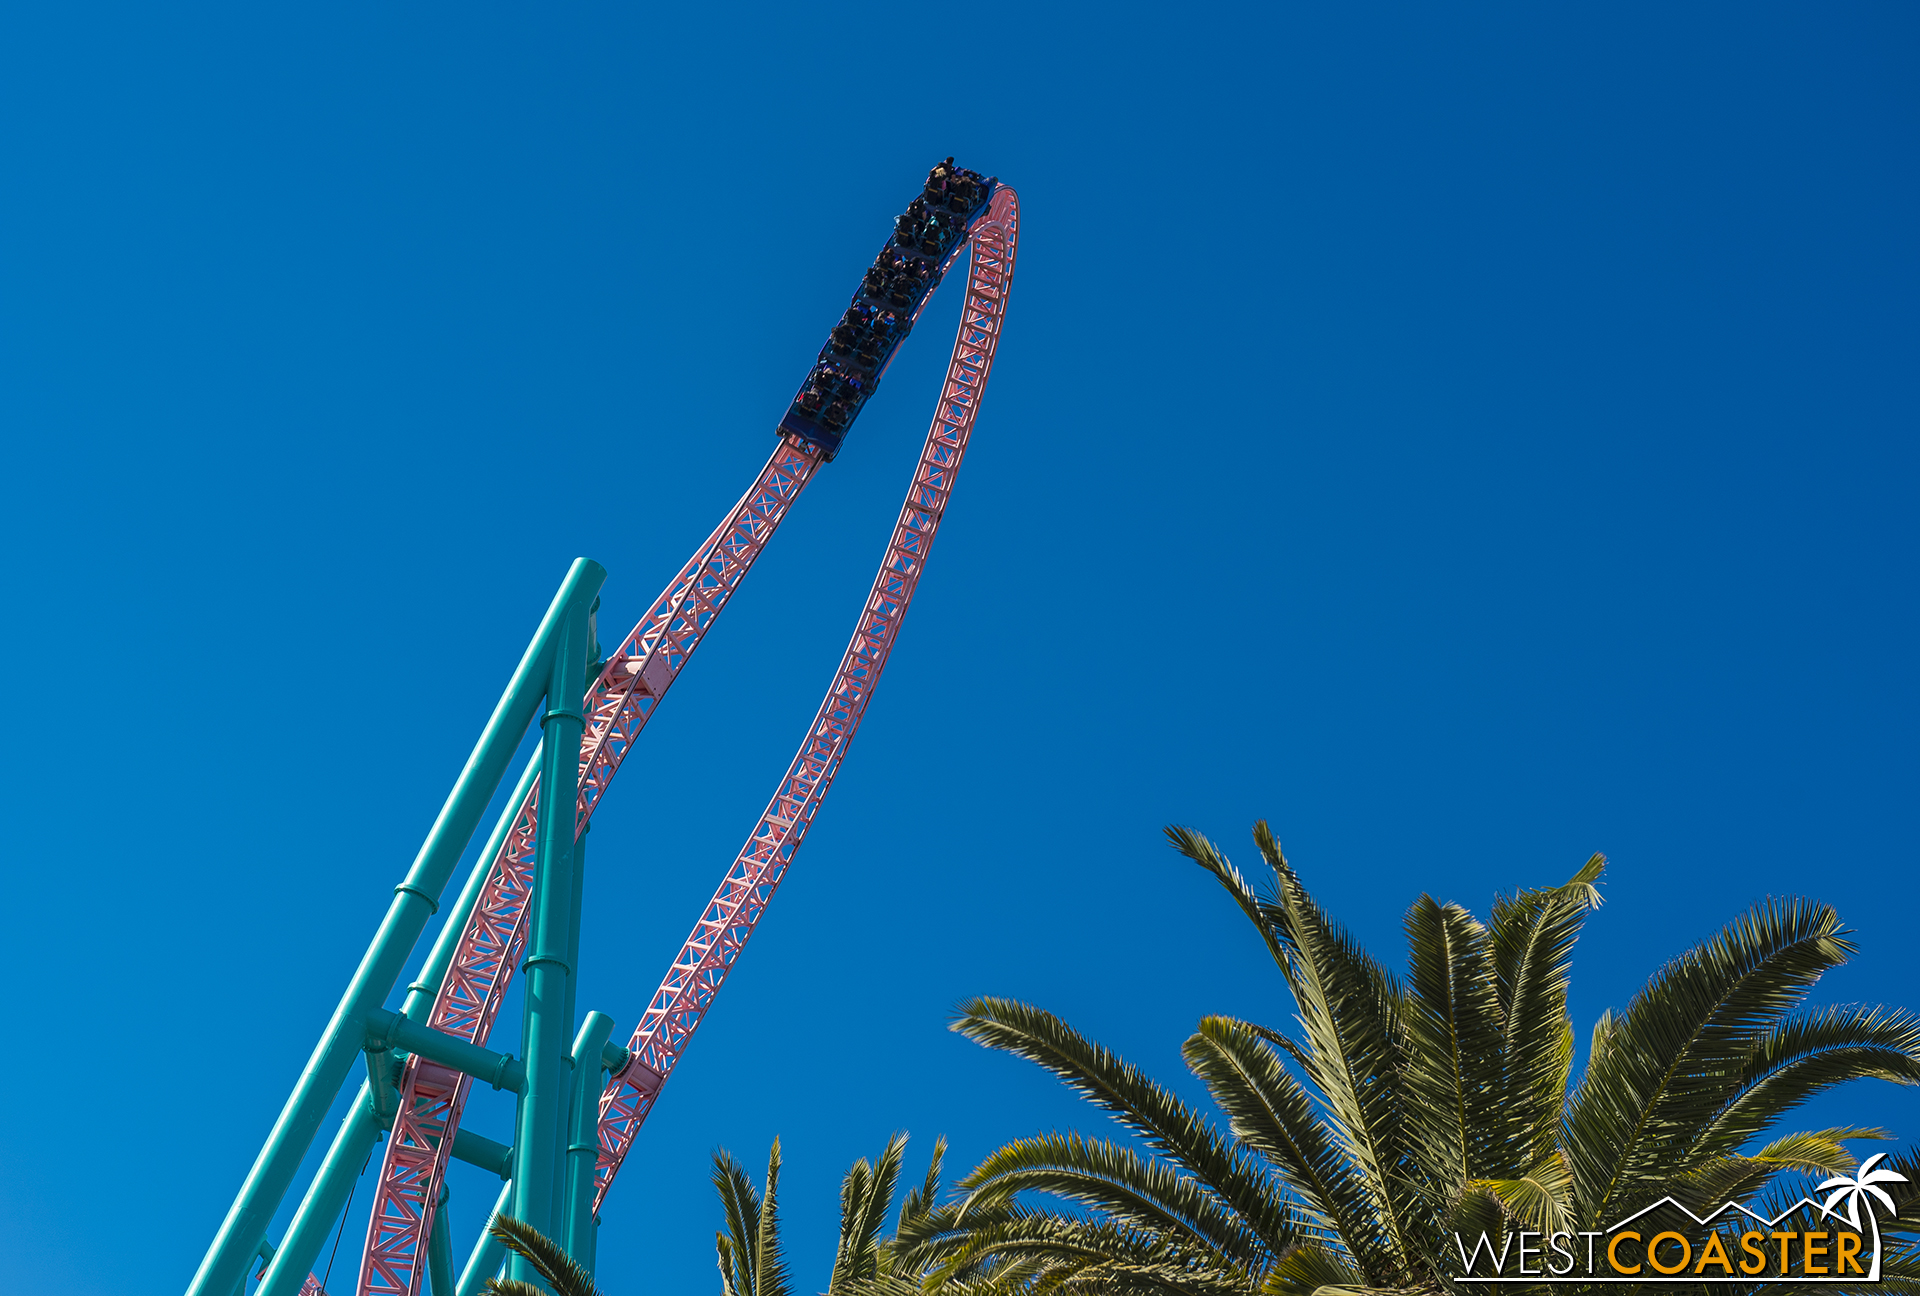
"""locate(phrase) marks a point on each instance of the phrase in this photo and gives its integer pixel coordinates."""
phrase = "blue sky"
(1468, 440)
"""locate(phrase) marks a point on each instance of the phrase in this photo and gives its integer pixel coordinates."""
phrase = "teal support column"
(421, 992)
(484, 1263)
(574, 1069)
(327, 1196)
(537, 1138)
(440, 1251)
(414, 902)
(583, 1137)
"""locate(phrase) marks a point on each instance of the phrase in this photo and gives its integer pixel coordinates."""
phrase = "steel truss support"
(470, 988)
(414, 902)
(327, 1195)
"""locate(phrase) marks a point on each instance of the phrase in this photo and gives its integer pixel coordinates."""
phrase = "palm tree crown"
(1404, 1108)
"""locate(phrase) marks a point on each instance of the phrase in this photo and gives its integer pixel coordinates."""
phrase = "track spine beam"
(696, 974)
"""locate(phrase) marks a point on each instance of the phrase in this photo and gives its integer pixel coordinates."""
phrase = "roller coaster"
(581, 1099)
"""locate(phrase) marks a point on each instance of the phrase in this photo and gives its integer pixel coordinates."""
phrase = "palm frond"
(1818, 1151)
(1531, 939)
(1272, 1113)
(548, 1257)
(1309, 1268)
(1349, 1008)
(1097, 1257)
(1147, 1195)
(740, 1201)
(1203, 852)
(1807, 1054)
(729, 1274)
(512, 1287)
(1677, 1056)
(1140, 1104)
(1541, 1199)
(1456, 1042)
(769, 1265)
(866, 1195)
(921, 1200)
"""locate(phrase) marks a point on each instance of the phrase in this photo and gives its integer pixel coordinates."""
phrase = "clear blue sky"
(1469, 440)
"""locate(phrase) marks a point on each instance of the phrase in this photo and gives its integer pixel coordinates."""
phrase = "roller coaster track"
(700, 969)
(625, 695)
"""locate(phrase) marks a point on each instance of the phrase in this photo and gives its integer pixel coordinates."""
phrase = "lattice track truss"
(623, 698)
(700, 969)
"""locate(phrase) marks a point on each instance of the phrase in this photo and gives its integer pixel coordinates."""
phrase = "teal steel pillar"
(440, 1251)
(583, 1137)
(324, 1200)
(414, 902)
(422, 991)
(536, 1143)
(574, 1069)
(327, 1196)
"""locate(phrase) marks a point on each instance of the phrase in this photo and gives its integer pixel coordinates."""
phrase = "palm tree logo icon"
(1854, 1190)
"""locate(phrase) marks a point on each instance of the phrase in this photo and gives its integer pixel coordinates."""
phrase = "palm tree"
(864, 1262)
(1405, 1108)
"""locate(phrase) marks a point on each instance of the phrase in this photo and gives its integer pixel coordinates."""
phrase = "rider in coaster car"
(840, 381)
(938, 234)
(905, 225)
(845, 337)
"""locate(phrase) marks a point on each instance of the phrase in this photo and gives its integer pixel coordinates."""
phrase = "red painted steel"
(622, 700)
(701, 967)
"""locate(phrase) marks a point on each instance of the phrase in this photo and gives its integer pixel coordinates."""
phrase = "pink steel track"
(700, 969)
(622, 700)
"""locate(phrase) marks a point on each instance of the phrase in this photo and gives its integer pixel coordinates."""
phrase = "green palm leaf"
(1136, 1192)
(1141, 1105)
(548, 1257)
(1456, 1030)
(866, 1195)
(1272, 1113)
(1532, 936)
(1807, 1054)
(769, 1265)
(1349, 1009)
(737, 1246)
(1676, 1057)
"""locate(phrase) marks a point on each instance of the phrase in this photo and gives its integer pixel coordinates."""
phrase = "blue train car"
(894, 288)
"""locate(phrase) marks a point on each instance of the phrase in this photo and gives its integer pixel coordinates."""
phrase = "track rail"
(700, 969)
